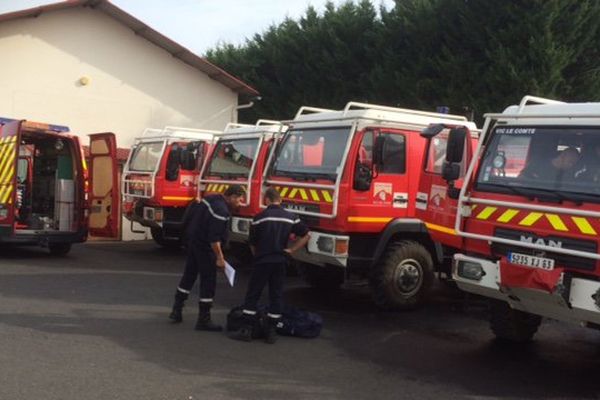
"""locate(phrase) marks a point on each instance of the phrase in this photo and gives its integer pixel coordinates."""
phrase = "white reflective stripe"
(274, 316)
(286, 220)
(206, 300)
(249, 312)
(183, 290)
(214, 214)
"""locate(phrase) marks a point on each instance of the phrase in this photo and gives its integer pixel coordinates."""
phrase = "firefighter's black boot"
(245, 332)
(176, 314)
(204, 322)
(271, 330)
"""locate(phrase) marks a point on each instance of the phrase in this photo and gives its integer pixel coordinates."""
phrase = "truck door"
(104, 186)
(386, 196)
(9, 156)
(434, 206)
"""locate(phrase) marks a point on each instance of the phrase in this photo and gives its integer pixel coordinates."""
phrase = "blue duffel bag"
(294, 322)
(299, 323)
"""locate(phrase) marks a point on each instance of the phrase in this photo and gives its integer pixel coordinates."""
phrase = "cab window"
(365, 152)
(436, 155)
(394, 154)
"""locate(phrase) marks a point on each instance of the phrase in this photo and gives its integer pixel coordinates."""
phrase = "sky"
(202, 24)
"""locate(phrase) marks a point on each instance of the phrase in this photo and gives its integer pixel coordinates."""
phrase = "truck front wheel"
(402, 277)
(512, 325)
(159, 238)
(59, 249)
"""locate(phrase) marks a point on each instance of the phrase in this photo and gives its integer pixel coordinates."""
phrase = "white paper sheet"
(229, 273)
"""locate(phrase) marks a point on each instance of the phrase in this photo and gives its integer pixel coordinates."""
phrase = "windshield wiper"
(228, 175)
(516, 190)
(306, 176)
(537, 193)
(295, 175)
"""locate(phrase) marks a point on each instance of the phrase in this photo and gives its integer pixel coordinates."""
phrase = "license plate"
(531, 261)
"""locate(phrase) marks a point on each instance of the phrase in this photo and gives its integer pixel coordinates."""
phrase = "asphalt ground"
(94, 325)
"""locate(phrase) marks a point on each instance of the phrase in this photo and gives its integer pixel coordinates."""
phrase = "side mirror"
(432, 130)
(450, 171)
(456, 145)
(188, 160)
(378, 150)
(362, 178)
(173, 163)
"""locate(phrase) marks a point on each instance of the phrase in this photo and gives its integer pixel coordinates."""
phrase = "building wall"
(133, 84)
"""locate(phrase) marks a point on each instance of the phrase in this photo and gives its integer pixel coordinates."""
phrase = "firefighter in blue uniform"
(206, 228)
(269, 235)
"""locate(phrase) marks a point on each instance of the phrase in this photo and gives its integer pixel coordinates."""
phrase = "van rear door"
(9, 156)
(104, 186)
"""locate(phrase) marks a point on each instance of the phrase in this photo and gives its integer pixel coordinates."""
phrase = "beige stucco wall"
(133, 84)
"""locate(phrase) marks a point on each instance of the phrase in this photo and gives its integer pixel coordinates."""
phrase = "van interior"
(46, 176)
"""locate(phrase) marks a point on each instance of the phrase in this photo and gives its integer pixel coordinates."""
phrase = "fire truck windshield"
(559, 163)
(312, 153)
(233, 158)
(146, 156)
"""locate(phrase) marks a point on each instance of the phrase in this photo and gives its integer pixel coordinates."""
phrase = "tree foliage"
(476, 54)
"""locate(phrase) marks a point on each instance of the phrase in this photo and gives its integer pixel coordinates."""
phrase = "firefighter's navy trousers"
(200, 262)
(272, 274)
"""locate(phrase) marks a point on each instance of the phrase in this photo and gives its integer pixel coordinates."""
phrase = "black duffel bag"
(294, 322)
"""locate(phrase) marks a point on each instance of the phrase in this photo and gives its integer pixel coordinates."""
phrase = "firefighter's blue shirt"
(270, 232)
(208, 222)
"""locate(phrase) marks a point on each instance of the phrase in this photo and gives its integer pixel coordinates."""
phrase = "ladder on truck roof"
(231, 126)
(145, 188)
(177, 133)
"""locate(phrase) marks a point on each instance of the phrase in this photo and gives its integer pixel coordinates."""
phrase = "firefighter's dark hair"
(272, 195)
(234, 190)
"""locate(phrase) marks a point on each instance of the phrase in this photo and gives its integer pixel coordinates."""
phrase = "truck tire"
(321, 278)
(59, 249)
(157, 235)
(402, 277)
(512, 325)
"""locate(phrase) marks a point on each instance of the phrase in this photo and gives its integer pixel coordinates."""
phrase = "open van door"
(9, 157)
(104, 186)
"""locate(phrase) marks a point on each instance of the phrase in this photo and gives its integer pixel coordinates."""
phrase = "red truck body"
(239, 157)
(354, 176)
(531, 234)
(47, 195)
(161, 179)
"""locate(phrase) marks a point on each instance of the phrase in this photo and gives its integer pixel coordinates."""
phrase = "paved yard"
(93, 326)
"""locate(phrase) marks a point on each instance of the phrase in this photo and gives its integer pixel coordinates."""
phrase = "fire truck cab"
(239, 157)
(44, 194)
(529, 215)
(160, 179)
(354, 176)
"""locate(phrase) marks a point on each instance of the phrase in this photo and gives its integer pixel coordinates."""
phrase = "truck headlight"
(470, 270)
(325, 244)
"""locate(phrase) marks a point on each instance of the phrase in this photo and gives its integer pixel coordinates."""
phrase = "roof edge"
(142, 29)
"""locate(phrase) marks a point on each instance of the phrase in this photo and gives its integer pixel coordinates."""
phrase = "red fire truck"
(160, 179)
(44, 195)
(531, 232)
(239, 157)
(355, 177)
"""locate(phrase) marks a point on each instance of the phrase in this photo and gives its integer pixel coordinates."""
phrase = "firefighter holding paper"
(269, 236)
(206, 227)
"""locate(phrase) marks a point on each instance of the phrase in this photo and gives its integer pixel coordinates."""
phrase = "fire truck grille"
(299, 208)
(501, 249)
